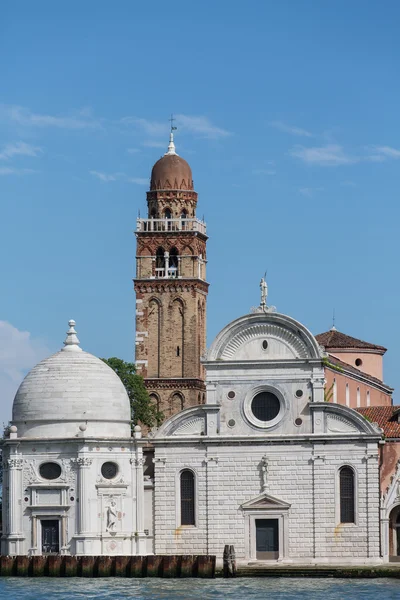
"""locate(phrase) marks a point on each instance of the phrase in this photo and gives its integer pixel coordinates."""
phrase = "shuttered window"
(347, 512)
(187, 498)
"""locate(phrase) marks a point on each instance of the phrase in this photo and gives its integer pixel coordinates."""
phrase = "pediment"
(242, 340)
(265, 501)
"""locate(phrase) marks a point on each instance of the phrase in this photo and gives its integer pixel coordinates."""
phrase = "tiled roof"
(385, 417)
(336, 339)
(346, 367)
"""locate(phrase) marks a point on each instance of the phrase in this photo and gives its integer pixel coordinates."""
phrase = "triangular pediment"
(265, 501)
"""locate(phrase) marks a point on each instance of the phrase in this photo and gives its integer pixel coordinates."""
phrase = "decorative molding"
(194, 426)
(174, 384)
(161, 286)
(15, 463)
(336, 424)
(110, 482)
(138, 462)
(83, 461)
(30, 474)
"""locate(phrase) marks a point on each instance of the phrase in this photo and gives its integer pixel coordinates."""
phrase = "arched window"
(167, 213)
(155, 400)
(187, 498)
(176, 403)
(184, 215)
(173, 262)
(160, 262)
(346, 482)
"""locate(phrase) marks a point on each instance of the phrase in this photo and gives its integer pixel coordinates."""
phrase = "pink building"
(354, 371)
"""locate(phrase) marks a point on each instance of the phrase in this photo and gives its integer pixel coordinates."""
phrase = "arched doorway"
(394, 534)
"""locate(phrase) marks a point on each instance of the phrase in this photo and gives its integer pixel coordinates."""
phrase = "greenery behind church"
(143, 411)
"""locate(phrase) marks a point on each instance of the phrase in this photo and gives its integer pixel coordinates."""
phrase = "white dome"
(67, 390)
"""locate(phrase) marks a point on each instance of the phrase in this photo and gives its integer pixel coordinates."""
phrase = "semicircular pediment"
(268, 336)
(248, 344)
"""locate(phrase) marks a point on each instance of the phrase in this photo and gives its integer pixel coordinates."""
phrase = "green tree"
(143, 410)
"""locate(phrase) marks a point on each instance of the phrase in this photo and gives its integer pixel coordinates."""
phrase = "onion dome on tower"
(72, 393)
(171, 172)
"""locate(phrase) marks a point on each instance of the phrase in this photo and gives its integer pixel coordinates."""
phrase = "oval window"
(265, 406)
(50, 470)
(109, 470)
(265, 344)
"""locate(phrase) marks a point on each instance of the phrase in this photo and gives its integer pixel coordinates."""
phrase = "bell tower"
(171, 288)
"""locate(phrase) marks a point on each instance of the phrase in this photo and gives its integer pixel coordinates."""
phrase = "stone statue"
(264, 472)
(264, 292)
(111, 516)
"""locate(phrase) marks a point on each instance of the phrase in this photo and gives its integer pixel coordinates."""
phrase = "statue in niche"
(264, 472)
(111, 517)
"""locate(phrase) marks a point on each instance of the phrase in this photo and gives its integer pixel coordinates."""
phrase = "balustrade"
(171, 225)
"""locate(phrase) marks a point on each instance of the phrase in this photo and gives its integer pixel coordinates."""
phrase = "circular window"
(299, 393)
(109, 470)
(50, 470)
(358, 362)
(265, 406)
(231, 395)
(265, 344)
(231, 423)
(298, 421)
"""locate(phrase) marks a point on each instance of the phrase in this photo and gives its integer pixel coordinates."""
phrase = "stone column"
(83, 464)
(139, 463)
(14, 483)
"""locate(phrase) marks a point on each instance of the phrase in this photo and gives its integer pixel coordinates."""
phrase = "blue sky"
(288, 114)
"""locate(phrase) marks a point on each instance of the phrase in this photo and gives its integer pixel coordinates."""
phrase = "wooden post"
(229, 560)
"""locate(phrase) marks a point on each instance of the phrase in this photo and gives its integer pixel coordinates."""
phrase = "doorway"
(267, 539)
(50, 536)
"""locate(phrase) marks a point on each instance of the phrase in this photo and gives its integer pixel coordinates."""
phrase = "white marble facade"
(275, 475)
(261, 460)
(73, 474)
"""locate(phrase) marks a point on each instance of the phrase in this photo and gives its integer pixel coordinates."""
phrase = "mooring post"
(226, 561)
(229, 560)
(233, 560)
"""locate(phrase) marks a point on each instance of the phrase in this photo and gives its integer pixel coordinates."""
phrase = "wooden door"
(267, 539)
(50, 537)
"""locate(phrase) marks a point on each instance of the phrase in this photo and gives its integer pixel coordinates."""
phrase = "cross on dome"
(72, 341)
(171, 145)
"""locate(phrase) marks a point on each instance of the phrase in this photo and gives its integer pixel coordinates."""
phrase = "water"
(17, 588)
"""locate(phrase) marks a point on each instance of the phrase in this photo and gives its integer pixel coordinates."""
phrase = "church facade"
(266, 464)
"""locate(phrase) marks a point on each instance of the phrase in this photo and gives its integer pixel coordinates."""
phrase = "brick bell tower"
(171, 288)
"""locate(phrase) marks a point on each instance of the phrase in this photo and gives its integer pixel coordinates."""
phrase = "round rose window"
(265, 406)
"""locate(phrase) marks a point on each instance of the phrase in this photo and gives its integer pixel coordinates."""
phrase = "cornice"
(365, 379)
(173, 384)
(170, 285)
